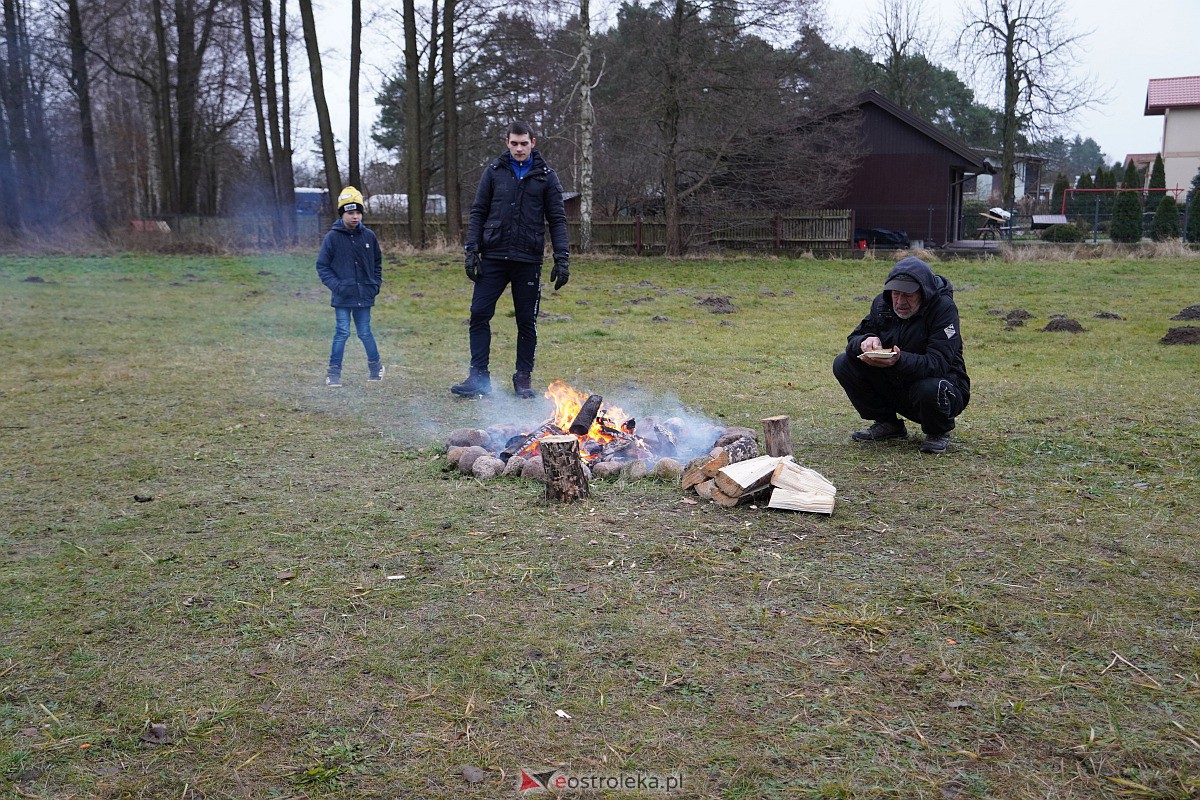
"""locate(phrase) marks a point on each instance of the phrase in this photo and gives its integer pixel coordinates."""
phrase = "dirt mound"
(1191, 312)
(717, 305)
(1107, 315)
(1063, 324)
(1017, 314)
(1188, 334)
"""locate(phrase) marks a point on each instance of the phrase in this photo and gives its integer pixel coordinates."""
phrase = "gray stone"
(487, 467)
(514, 466)
(469, 457)
(606, 469)
(635, 470)
(467, 437)
(667, 469)
(533, 469)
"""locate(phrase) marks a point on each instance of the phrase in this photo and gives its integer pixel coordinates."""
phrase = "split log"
(705, 489)
(777, 435)
(739, 450)
(798, 488)
(728, 501)
(586, 416)
(693, 474)
(746, 477)
(565, 479)
(517, 444)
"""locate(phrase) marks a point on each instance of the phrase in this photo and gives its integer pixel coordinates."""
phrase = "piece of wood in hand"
(777, 435)
(565, 479)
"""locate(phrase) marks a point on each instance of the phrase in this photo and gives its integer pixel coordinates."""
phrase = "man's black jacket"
(509, 216)
(930, 341)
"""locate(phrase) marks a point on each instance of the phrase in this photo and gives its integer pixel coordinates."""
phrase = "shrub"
(1062, 233)
(1166, 220)
(1127, 211)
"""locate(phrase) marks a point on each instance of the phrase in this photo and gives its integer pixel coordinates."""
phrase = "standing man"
(906, 358)
(519, 194)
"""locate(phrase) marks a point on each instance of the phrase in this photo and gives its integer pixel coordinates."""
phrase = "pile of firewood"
(737, 473)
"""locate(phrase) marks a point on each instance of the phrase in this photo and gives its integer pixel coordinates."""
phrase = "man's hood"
(931, 285)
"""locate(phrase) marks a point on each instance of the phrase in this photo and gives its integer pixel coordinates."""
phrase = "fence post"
(1096, 223)
(637, 234)
(778, 230)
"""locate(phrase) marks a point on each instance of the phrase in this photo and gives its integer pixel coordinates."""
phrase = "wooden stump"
(777, 433)
(565, 480)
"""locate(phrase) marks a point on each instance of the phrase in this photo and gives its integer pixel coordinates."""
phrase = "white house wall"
(1181, 146)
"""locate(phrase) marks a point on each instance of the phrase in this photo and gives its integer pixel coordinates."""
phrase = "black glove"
(471, 263)
(561, 272)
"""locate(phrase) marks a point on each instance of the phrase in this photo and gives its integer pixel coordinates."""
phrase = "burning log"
(586, 416)
(777, 435)
(518, 444)
(565, 478)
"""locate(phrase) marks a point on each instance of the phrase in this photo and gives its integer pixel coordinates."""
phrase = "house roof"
(957, 146)
(1164, 93)
(1140, 160)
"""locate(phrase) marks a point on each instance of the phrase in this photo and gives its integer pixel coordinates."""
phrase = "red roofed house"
(1177, 101)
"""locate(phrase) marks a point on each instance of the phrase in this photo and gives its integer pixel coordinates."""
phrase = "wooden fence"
(791, 231)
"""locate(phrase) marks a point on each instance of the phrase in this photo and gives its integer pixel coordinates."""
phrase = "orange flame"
(567, 403)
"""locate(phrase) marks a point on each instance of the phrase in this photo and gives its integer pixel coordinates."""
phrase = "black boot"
(523, 385)
(477, 383)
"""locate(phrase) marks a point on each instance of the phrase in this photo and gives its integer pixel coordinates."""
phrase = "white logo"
(949, 330)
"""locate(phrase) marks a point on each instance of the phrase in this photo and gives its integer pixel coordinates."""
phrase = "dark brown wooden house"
(911, 176)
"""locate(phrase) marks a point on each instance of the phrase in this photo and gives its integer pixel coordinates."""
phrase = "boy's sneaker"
(333, 377)
(376, 370)
(936, 445)
(884, 429)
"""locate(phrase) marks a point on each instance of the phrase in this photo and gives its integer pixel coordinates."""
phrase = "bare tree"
(333, 179)
(412, 129)
(81, 86)
(355, 64)
(587, 122)
(1028, 49)
(450, 126)
(897, 32)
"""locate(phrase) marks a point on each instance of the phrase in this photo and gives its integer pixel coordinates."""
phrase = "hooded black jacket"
(509, 216)
(351, 266)
(930, 341)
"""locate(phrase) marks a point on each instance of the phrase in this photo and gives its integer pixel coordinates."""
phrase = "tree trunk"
(355, 64)
(587, 121)
(187, 79)
(565, 478)
(14, 109)
(429, 106)
(412, 129)
(285, 108)
(669, 125)
(777, 435)
(450, 128)
(333, 180)
(168, 197)
(80, 83)
(285, 192)
(260, 123)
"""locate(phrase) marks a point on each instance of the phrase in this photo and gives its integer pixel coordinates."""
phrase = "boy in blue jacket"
(350, 265)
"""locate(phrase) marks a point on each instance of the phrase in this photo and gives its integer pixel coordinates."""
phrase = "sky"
(1128, 44)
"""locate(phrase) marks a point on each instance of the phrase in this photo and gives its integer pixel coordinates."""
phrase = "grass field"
(197, 537)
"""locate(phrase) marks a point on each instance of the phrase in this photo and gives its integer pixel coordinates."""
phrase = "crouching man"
(906, 359)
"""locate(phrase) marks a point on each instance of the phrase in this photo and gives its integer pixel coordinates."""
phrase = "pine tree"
(1056, 195)
(1127, 212)
(1193, 225)
(1166, 220)
(1081, 202)
(1158, 182)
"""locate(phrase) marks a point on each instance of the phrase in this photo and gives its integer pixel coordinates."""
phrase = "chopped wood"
(728, 501)
(747, 476)
(694, 473)
(739, 450)
(705, 488)
(777, 435)
(798, 488)
(586, 416)
(565, 478)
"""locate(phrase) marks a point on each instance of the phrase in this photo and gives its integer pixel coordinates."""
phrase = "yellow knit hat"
(350, 199)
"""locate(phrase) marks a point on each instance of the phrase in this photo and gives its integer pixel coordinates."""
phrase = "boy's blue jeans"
(341, 333)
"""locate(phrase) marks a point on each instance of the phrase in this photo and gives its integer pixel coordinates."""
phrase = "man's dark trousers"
(494, 275)
(877, 394)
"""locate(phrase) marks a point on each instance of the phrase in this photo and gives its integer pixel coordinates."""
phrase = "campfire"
(605, 433)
